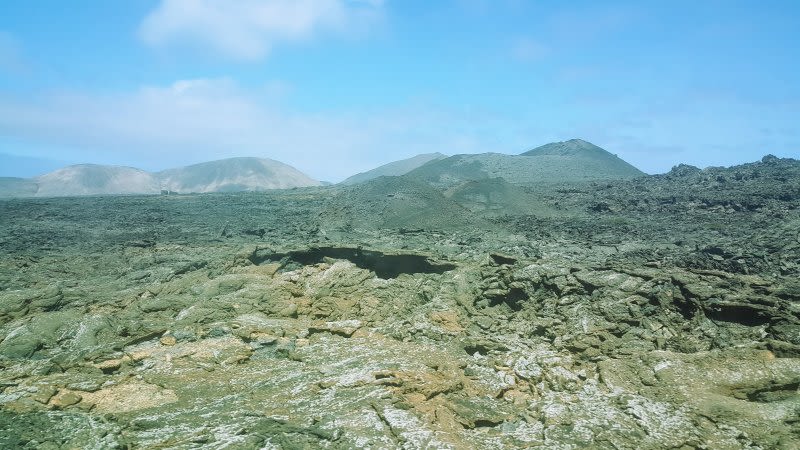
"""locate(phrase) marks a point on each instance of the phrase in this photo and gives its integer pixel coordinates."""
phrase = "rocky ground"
(660, 312)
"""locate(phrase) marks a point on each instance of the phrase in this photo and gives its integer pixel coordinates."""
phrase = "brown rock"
(518, 398)
(447, 320)
(289, 311)
(44, 394)
(267, 269)
(139, 356)
(65, 399)
(109, 366)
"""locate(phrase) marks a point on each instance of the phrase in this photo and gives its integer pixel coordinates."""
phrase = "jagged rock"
(65, 399)
(660, 311)
(344, 328)
(168, 340)
(43, 394)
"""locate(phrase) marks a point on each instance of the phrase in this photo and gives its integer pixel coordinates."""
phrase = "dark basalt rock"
(385, 265)
(652, 312)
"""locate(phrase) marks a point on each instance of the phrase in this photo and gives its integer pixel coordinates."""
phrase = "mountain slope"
(17, 187)
(571, 147)
(234, 174)
(579, 161)
(394, 202)
(587, 152)
(395, 168)
(495, 196)
(227, 175)
(92, 179)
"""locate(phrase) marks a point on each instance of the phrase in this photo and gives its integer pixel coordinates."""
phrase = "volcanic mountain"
(92, 179)
(395, 168)
(233, 175)
(226, 175)
(17, 187)
(570, 161)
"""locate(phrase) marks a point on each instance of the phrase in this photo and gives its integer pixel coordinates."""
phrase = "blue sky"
(334, 87)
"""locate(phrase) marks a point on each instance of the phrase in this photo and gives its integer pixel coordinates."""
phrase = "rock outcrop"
(656, 312)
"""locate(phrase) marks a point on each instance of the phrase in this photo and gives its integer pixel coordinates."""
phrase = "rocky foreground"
(660, 312)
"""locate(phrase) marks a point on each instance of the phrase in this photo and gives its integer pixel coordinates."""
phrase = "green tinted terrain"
(570, 161)
(650, 312)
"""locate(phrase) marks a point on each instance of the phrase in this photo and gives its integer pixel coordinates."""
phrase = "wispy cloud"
(248, 29)
(195, 120)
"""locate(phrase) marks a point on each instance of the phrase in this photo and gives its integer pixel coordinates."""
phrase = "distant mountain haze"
(17, 187)
(395, 168)
(226, 175)
(569, 161)
(234, 174)
(92, 179)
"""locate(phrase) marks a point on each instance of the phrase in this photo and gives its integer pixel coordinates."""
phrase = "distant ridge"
(395, 168)
(572, 147)
(234, 175)
(17, 187)
(93, 179)
(225, 175)
(570, 161)
(592, 156)
(574, 160)
(579, 148)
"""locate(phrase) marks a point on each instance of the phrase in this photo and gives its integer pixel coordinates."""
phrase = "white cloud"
(247, 29)
(189, 121)
(156, 127)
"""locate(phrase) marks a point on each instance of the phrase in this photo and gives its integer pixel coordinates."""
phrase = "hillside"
(226, 175)
(92, 179)
(586, 152)
(394, 202)
(395, 168)
(551, 163)
(234, 175)
(17, 187)
(494, 197)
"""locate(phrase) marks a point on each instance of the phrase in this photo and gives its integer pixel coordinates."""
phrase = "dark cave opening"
(385, 265)
(774, 393)
(737, 313)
